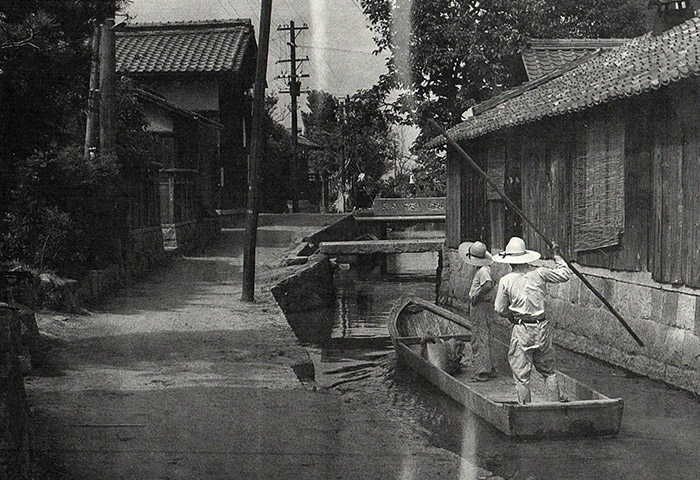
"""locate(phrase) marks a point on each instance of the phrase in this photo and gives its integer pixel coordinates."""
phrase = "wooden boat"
(584, 412)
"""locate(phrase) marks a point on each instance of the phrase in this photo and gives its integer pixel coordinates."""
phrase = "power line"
(336, 49)
(291, 4)
(226, 9)
(330, 69)
(293, 80)
(256, 17)
(354, 2)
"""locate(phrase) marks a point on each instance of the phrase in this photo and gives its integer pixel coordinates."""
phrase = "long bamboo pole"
(520, 213)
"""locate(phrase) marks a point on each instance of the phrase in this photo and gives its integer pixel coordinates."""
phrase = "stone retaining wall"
(305, 298)
(16, 426)
(190, 234)
(667, 319)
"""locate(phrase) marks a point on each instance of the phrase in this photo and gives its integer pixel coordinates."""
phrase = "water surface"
(659, 437)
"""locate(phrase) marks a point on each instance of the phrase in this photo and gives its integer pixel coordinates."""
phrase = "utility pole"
(251, 230)
(107, 78)
(294, 92)
(92, 111)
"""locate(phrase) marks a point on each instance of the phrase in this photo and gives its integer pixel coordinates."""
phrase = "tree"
(57, 209)
(358, 142)
(277, 153)
(447, 54)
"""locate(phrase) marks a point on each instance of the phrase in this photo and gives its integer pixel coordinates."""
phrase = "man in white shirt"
(521, 299)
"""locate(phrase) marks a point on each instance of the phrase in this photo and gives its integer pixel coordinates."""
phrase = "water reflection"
(658, 438)
(363, 301)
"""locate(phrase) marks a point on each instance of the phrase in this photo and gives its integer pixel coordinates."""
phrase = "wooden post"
(294, 93)
(248, 290)
(107, 87)
(324, 193)
(92, 112)
(453, 220)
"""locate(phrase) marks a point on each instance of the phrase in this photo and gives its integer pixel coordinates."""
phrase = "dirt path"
(175, 378)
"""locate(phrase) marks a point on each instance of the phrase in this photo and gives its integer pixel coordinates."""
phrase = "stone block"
(683, 378)
(632, 301)
(669, 308)
(588, 298)
(672, 347)
(566, 339)
(574, 286)
(637, 364)
(697, 316)
(611, 327)
(564, 290)
(690, 356)
(654, 335)
(598, 326)
(657, 301)
(614, 356)
(685, 314)
(623, 340)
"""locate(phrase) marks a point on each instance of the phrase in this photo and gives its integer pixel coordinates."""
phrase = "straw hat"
(475, 253)
(515, 253)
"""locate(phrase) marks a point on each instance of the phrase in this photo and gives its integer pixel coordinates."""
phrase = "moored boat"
(583, 411)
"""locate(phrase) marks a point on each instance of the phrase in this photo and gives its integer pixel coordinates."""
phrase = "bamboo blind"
(599, 185)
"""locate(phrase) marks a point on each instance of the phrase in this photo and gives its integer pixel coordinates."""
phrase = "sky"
(338, 41)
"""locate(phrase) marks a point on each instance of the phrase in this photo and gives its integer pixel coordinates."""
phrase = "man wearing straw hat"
(481, 296)
(521, 298)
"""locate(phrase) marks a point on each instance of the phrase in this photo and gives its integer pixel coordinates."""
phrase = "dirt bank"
(175, 378)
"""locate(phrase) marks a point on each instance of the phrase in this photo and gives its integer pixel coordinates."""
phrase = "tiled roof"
(541, 56)
(211, 46)
(641, 65)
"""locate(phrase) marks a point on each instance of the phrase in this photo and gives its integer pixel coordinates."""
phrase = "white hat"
(475, 253)
(515, 253)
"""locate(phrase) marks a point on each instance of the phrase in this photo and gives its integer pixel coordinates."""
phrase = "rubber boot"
(552, 388)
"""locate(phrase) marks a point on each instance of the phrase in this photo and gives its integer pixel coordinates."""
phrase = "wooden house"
(207, 68)
(187, 152)
(602, 151)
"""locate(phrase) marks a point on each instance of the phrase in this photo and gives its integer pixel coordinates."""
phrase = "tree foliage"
(277, 154)
(59, 210)
(448, 54)
(357, 140)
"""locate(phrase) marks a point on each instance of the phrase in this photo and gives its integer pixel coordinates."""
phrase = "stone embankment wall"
(305, 297)
(190, 234)
(667, 319)
(16, 427)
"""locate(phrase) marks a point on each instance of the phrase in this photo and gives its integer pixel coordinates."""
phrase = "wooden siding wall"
(467, 218)
(475, 220)
(453, 200)
(662, 185)
(144, 200)
(632, 252)
(675, 121)
(546, 179)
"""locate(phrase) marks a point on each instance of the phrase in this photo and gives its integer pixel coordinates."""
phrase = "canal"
(659, 437)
